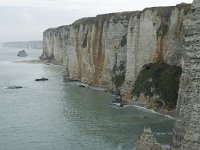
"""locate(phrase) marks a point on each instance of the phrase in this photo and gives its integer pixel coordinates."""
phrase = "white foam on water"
(149, 111)
(6, 62)
(165, 147)
(97, 88)
(164, 133)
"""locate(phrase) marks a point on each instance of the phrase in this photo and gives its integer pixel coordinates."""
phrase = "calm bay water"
(59, 115)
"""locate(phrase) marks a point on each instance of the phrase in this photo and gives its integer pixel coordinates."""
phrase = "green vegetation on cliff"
(118, 79)
(159, 79)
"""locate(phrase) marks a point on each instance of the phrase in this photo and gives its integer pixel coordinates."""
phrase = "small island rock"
(42, 79)
(14, 87)
(22, 53)
(81, 85)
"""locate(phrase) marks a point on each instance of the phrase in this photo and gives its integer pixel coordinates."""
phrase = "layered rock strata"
(187, 130)
(110, 50)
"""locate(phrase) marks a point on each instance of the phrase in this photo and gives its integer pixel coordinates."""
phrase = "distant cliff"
(25, 44)
(111, 50)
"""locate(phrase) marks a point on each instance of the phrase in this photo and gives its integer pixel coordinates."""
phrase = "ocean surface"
(59, 115)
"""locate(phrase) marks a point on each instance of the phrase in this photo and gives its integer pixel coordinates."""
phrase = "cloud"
(64, 4)
(28, 17)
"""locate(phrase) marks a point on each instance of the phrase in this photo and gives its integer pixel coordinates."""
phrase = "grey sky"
(27, 19)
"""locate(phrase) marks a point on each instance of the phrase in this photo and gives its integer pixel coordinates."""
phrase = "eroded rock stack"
(22, 53)
(147, 141)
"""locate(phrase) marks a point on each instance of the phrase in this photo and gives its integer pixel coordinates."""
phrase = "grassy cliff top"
(118, 16)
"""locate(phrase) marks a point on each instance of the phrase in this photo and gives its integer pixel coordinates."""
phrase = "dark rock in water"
(14, 87)
(81, 86)
(119, 102)
(42, 79)
(22, 53)
(121, 105)
(109, 90)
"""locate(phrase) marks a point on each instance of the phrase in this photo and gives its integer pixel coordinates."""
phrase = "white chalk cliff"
(112, 50)
(109, 50)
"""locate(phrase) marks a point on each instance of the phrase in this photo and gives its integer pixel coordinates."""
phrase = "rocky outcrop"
(25, 44)
(110, 50)
(14, 87)
(147, 141)
(42, 79)
(187, 131)
(22, 53)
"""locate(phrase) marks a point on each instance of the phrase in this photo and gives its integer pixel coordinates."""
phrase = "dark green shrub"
(162, 78)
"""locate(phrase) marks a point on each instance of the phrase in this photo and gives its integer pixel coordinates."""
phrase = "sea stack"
(22, 53)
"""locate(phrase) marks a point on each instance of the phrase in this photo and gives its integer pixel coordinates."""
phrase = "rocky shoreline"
(34, 61)
(120, 103)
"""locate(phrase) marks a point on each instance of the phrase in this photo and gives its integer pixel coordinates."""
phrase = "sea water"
(59, 115)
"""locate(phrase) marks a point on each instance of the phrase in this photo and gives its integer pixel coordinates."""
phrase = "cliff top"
(118, 16)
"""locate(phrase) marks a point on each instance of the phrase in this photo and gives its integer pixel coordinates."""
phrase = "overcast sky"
(27, 19)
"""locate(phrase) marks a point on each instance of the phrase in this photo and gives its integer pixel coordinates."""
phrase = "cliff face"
(110, 50)
(24, 44)
(187, 131)
(122, 50)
